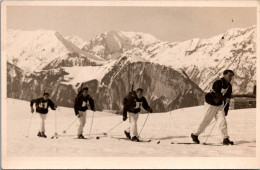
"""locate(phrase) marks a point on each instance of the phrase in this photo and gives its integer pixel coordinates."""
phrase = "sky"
(165, 23)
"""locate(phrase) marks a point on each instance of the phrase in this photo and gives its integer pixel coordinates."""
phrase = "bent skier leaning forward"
(132, 107)
(217, 105)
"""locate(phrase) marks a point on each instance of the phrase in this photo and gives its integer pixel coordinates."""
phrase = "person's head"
(228, 75)
(139, 93)
(85, 91)
(46, 96)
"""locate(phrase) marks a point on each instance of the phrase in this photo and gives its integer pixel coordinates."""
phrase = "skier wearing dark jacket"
(217, 102)
(133, 104)
(83, 102)
(42, 104)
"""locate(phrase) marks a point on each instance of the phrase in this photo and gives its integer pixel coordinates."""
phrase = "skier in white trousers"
(133, 103)
(82, 102)
(217, 105)
(42, 105)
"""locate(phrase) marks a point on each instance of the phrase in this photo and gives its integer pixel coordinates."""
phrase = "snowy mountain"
(165, 89)
(34, 50)
(112, 45)
(173, 74)
(77, 41)
(204, 60)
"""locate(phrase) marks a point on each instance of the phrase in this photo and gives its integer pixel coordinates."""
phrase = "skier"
(132, 106)
(215, 101)
(82, 102)
(42, 104)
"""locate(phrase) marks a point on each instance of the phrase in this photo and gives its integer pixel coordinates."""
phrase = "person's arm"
(52, 105)
(228, 95)
(217, 86)
(32, 103)
(146, 105)
(92, 103)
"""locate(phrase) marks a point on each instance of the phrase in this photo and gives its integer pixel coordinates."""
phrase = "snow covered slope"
(204, 60)
(176, 127)
(33, 50)
(77, 41)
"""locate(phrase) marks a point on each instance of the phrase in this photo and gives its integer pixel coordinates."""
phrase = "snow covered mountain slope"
(176, 127)
(77, 41)
(34, 50)
(203, 60)
(111, 45)
(165, 88)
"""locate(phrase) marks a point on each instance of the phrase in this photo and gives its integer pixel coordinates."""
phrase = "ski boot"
(39, 134)
(80, 136)
(43, 135)
(127, 134)
(195, 138)
(135, 139)
(226, 141)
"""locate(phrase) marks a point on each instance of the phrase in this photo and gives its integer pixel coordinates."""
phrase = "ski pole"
(29, 126)
(65, 131)
(91, 123)
(144, 124)
(56, 133)
(105, 133)
(213, 127)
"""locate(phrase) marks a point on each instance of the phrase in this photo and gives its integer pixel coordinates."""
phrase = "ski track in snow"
(175, 126)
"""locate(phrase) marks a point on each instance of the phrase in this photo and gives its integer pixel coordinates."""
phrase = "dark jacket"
(221, 90)
(133, 104)
(79, 101)
(42, 105)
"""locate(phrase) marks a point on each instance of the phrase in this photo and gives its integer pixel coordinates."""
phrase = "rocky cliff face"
(28, 86)
(165, 88)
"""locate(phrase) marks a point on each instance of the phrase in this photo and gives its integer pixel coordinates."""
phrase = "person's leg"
(128, 129)
(210, 112)
(81, 122)
(223, 123)
(131, 123)
(135, 129)
(42, 118)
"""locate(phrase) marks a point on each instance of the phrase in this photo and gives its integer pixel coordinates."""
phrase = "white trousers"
(132, 129)
(42, 118)
(211, 112)
(82, 121)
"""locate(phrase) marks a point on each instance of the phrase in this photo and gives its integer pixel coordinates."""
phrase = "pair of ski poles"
(56, 133)
(92, 120)
(105, 133)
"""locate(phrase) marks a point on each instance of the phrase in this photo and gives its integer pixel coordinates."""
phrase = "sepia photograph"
(103, 81)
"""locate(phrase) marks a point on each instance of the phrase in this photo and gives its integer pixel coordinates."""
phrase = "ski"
(190, 143)
(82, 138)
(184, 143)
(122, 138)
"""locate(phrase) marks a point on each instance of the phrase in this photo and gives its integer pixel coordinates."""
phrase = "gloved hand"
(151, 110)
(79, 115)
(85, 108)
(137, 110)
(32, 110)
(55, 107)
(124, 118)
